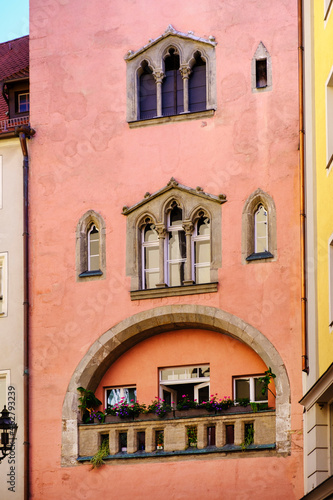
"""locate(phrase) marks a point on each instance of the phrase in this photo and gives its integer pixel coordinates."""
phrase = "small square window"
(23, 103)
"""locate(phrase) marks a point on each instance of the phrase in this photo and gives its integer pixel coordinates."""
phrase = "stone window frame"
(186, 45)
(86, 221)
(260, 54)
(259, 197)
(3, 284)
(153, 209)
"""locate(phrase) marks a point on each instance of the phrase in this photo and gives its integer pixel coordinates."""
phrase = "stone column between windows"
(158, 76)
(161, 231)
(185, 71)
(188, 228)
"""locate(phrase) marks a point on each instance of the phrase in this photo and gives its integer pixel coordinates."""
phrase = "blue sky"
(14, 19)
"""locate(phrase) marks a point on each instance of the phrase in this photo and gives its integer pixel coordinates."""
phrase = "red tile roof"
(14, 64)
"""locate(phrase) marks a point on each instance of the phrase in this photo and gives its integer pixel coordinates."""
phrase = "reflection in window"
(202, 250)
(197, 85)
(147, 93)
(261, 230)
(93, 248)
(150, 257)
(176, 248)
(249, 388)
(23, 103)
(116, 394)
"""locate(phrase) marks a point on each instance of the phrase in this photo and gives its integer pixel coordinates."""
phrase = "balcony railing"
(10, 124)
(214, 433)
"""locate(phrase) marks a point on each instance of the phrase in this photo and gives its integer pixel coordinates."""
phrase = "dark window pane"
(211, 436)
(147, 96)
(261, 73)
(172, 87)
(230, 434)
(123, 441)
(197, 87)
(141, 441)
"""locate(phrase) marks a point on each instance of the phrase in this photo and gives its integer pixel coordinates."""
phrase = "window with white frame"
(194, 381)
(23, 103)
(329, 120)
(115, 395)
(173, 75)
(259, 228)
(170, 242)
(3, 285)
(250, 388)
(90, 247)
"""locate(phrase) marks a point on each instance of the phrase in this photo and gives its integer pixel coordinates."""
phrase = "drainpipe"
(305, 366)
(24, 132)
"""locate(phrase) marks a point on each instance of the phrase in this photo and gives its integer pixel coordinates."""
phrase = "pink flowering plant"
(186, 403)
(126, 409)
(217, 404)
(159, 407)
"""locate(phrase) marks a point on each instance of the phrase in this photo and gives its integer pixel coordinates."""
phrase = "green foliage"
(249, 436)
(266, 380)
(192, 435)
(104, 451)
(243, 401)
(159, 407)
(88, 403)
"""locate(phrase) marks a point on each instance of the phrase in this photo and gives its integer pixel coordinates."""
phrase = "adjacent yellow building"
(318, 113)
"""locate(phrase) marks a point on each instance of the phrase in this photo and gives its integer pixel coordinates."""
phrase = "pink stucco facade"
(86, 157)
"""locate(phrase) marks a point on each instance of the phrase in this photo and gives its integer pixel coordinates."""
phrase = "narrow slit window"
(93, 248)
(211, 440)
(197, 85)
(147, 93)
(261, 230)
(176, 248)
(261, 73)
(150, 257)
(202, 249)
(172, 87)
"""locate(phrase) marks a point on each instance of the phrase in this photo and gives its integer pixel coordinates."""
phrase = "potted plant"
(160, 408)
(159, 440)
(88, 403)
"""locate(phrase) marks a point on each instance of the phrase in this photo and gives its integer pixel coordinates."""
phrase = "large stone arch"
(121, 337)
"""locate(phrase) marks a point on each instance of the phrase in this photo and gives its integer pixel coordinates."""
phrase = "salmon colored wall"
(139, 366)
(84, 156)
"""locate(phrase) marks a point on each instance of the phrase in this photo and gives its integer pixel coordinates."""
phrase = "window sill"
(87, 274)
(259, 256)
(174, 118)
(173, 291)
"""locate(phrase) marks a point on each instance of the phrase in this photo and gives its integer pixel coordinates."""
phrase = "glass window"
(197, 85)
(176, 248)
(23, 103)
(172, 87)
(202, 249)
(147, 93)
(261, 232)
(150, 256)
(3, 284)
(93, 248)
(250, 388)
(116, 394)
(261, 73)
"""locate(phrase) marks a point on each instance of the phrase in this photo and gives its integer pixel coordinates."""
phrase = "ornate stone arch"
(132, 330)
(81, 252)
(257, 198)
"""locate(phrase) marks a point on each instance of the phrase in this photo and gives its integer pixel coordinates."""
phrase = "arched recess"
(129, 332)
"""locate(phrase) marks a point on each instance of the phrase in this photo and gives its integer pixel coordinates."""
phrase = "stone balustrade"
(220, 432)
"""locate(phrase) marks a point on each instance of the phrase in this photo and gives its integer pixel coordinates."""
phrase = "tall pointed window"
(90, 247)
(176, 248)
(93, 248)
(147, 93)
(197, 85)
(201, 248)
(172, 87)
(150, 257)
(260, 230)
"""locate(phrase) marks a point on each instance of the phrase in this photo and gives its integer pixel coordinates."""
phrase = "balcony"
(10, 124)
(170, 436)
